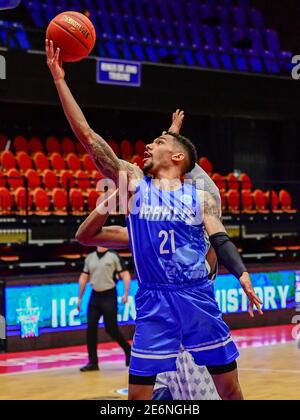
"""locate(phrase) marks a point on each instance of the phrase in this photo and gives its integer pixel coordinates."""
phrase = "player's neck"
(168, 179)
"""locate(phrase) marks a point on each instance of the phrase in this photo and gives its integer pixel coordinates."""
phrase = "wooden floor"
(267, 371)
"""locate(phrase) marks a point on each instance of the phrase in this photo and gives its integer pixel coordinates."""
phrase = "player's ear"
(178, 157)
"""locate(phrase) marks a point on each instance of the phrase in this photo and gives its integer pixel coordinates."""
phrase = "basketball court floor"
(269, 369)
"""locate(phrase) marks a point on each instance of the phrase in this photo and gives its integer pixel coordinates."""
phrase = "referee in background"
(100, 269)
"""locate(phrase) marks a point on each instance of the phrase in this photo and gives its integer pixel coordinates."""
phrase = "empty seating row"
(50, 179)
(52, 145)
(257, 202)
(42, 203)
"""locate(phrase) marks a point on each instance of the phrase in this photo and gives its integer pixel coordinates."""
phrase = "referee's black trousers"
(103, 303)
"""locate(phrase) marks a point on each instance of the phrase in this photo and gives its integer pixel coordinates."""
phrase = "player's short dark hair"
(189, 147)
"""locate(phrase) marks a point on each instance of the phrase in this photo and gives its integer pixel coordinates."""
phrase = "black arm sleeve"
(227, 254)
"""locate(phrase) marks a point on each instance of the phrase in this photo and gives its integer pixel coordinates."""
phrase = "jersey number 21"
(168, 238)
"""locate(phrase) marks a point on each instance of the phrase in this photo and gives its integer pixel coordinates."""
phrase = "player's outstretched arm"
(93, 233)
(104, 157)
(226, 252)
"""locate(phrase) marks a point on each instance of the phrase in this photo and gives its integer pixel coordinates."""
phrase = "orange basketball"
(74, 34)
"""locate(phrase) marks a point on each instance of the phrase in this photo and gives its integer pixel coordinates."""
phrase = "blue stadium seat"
(224, 37)
(271, 62)
(201, 58)
(240, 59)
(240, 17)
(189, 58)
(209, 36)
(152, 53)
(255, 61)
(225, 59)
(138, 52)
(272, 40)
(256, 18)
(257, 42)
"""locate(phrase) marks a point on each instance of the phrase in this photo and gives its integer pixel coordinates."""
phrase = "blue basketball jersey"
(167, 236)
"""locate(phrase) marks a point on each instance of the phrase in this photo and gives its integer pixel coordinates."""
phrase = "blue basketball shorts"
(170, 319)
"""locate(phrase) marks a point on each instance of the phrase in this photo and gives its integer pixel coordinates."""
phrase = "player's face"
(158, 154)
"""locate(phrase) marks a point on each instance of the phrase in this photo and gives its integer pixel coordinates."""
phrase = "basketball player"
(166, 224)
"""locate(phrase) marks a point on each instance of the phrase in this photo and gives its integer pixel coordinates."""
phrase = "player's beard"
(148, 167)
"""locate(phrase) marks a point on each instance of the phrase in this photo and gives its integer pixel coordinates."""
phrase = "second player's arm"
(226, 251)
(93, 233)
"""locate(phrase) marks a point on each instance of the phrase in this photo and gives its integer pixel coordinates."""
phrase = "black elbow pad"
(227, 254)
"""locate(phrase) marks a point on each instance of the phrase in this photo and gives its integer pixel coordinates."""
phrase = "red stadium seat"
(60, 201)
(233, 200)
(67, 179)
(126, 150)
(3, 142)
(23, 203)
(273, 201)
(80, 149)
(41, 162)
(220, 181)
(24, 161)
(52, 145)
(247, 202)
(206, 165)
(33, 179)
(73, 162)
(76, 201)
(7, 160)
(92, 199)
(246, 182)
(88, 164)
(114, 145)
(67, 146)
(15, 179)
(2, 179)
(35, 145)
(50, 180)
(6, 201)
(260, 201)
(57, 161)
(20, 144)
(233, 182)
(41, 202)
(285, 200)
(97, 176)
(138, 160)
(139, 147)
(83, 180)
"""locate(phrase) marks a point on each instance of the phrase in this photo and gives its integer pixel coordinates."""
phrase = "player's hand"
(54, 61)
(177, 121)
(253, 298)
(78, 305)
(125, 299)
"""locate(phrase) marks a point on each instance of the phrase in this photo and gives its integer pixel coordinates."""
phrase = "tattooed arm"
(226, 251)
(102, 154)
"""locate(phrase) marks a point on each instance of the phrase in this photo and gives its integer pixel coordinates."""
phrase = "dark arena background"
(232, 66)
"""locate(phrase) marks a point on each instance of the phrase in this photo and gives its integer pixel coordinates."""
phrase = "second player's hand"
(252, 296)
(54, 61)
(177, 121)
